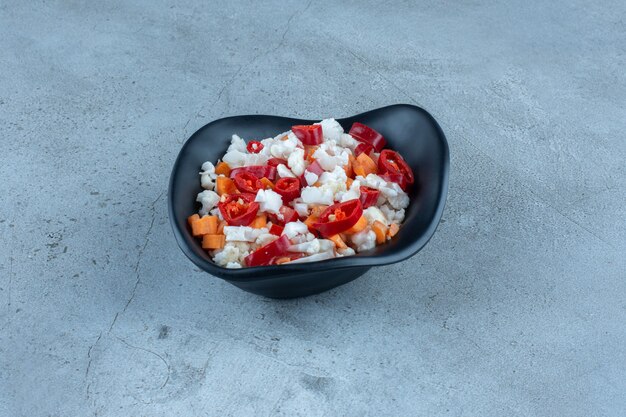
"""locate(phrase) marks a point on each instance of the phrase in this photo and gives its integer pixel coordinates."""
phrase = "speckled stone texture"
(515, 308)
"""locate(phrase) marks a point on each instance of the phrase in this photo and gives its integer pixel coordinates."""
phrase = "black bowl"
(408, 129)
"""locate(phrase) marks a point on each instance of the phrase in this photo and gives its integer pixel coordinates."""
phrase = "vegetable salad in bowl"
(309, 194)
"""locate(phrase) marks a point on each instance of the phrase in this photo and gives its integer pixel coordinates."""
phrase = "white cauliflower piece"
(310, 177)
(216, 212)
(313, 258)
(364, 240)
(233, 265)
(329, 155)
(292, 229)
(310, 247)
(331, 129)
(208, 199)
(373, 214)
(352, 194)
(283, 148)
(334, 181)
(346, 251)
(237, 144)
(235, 158)
(392, 192)
(270, 201)
(301, 208)
(326, 245)
(232, 252)
(348, 141)
(264, 239)
(208, 176)
(296, 162)
(243, 233)
(318, 195)
(256, 159)
(284, 172)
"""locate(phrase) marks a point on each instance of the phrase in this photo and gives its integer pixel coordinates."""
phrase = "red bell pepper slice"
(254, 146)
(276, 230)
(363, 147)
(258, 171)
(274, 162)
(268, 254)
(366, 134)
(394, 168)
(288, 188)
(339, 217)
(247, 183)
(369, 196)
(309, 134)
(238, 209)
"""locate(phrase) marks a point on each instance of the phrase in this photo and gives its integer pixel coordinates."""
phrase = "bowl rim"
(361, 260)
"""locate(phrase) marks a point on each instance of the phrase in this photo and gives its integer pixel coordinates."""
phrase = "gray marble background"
(517, 307)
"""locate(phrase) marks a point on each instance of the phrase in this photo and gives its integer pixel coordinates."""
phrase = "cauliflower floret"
(235, 158)
(331, 129)
(373, 214)
(364, 240)
(243, 233)
(348, 141)
(392, 192)
(256, 159)
(329, 155)
(208, 199)
(208, 175)
(353, 193)
(310, 177)
(306, 247)
(318, 195)
(270, 201)
(284, 172)
(292, 229)
(296, 161)
(334, 181)
(232, 252)
(313, 258)
(326, 245)
(216, 212)
(237, 144)
(264, 239)
(233, 265)
(284, 148)
(346, 252)
(301, 208)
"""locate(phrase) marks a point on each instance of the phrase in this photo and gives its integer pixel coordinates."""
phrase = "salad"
(309, 194)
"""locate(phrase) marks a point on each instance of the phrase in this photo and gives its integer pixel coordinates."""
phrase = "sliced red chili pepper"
(392, 164)
(309, 134)
(258, 171)
(369, 196)
(247, 183)
(276, 229)
(274, 162)
(254, 146)
(239, 209)
(366, 134)
(363, 147)
(339, 217)
(269, 253)
(288, 188)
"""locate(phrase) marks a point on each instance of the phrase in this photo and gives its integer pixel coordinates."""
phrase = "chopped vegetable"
(395, 168)
(381, 232)
(274, 162)
(339, 218)
(288, 188)
(239, 209)
(254, 146)
(204, 225)
(364, 165)
(358, 226)
(259, 222)
(267, 184)
(309, 134)
(366, 134)
(276, 229)
(213, 241)
(393, 229)
(369, 196)
(363, 148)
(258, 171)
(338, 241)
(192, 218)
(247, 182)
(222, 169)
(268, 254)
(225, 185)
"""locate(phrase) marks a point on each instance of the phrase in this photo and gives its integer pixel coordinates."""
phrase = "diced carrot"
(349, 182)
(259, 222)
(349, 168)
(338, 241)
(225, 185)
(310, 220)
(222, 169)
(220, 227)
(365, 165)
(267, 184)
(192, 218)
(381, 232)
(213, 241)
(393, 229)
(358, 226)
(318, 209)
(206, 225)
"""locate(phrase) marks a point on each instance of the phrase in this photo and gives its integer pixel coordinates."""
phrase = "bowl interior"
(408, 129)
